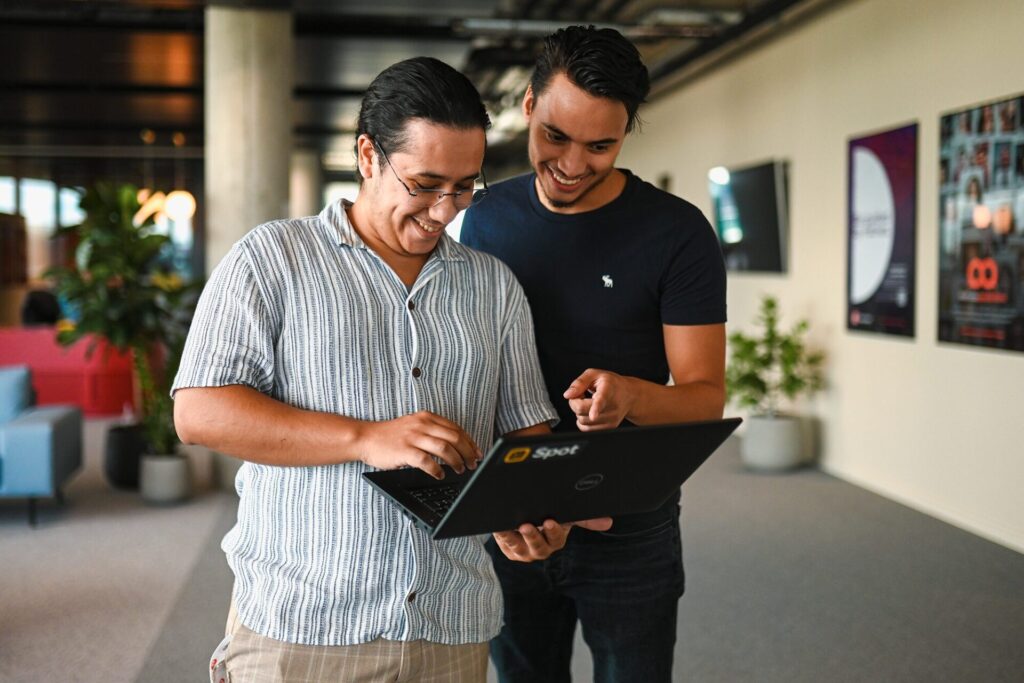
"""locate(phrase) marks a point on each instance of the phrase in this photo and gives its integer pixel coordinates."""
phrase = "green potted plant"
(764, 370)
(120, 290)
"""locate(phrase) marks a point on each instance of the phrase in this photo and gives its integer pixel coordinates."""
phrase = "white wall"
(935, 426)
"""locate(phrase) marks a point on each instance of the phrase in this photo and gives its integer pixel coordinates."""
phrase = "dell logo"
(590, 481)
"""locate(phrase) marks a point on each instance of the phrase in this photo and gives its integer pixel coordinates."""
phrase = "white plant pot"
(772, 444)
(165, 478)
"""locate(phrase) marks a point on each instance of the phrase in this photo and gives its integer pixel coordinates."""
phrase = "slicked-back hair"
(418, 88)
(602, 62)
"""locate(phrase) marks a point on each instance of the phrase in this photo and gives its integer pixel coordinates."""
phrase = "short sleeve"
(522, 396)
(693, 287)
(231, 340)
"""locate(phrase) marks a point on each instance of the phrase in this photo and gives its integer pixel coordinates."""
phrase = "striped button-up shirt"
(303, 311)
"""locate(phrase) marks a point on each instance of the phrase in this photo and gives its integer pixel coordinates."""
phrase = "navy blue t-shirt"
(602, 283)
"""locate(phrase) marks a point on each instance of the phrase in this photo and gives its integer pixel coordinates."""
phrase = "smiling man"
(627, 286)
(365, 338)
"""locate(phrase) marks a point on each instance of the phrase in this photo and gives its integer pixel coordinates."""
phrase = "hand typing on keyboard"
(415, 440)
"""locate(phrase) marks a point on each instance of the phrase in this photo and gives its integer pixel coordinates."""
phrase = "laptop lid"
(565, 476)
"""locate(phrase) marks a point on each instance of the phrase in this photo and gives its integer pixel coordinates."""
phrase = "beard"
(563, 204)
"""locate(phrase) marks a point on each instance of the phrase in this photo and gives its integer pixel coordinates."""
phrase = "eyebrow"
(605, 141)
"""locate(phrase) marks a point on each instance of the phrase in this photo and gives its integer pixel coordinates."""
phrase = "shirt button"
(412, 306)
(416, 372)
(412, 596)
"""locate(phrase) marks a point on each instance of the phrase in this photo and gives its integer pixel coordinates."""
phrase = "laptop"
(565, 476)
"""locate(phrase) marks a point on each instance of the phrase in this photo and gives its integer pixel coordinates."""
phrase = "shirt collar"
(335, 217)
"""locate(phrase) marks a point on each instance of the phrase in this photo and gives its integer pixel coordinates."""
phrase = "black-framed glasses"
(427, 198)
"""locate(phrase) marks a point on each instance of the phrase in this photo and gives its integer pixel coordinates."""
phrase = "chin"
(564, 200)
(417, 233)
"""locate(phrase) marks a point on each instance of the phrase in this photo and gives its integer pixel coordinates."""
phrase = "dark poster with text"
(881, 228)
(981, 214)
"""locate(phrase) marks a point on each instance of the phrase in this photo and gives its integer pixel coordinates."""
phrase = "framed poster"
(881, 229)
(981, 224)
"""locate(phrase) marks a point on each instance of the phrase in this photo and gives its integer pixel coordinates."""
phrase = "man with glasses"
(365, 338)
(627, 285)
(424, 197)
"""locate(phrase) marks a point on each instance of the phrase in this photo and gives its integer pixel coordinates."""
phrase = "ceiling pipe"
(485, 28)
(767, 21)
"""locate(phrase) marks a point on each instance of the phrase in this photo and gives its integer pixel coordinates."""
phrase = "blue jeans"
(622, 585)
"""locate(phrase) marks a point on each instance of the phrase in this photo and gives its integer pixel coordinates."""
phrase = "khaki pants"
(248, 657)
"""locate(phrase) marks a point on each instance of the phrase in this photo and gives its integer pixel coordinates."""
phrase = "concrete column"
(307, 183)
(249, 55)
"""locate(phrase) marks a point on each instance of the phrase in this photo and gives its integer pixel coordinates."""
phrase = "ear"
(528, 101)
(366, 154)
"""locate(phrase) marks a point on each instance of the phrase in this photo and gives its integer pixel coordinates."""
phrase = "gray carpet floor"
(84, 595)
(795, 577)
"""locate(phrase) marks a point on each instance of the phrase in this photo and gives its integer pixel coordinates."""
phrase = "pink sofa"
(100, 383)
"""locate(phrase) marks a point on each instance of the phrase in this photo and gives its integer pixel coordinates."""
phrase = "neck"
(406, 266)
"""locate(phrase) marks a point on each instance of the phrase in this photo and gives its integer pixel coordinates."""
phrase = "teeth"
(563, 180)
(426, 227)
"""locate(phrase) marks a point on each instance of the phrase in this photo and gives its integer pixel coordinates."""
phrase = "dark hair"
(40, 308)
(418, 88)
(600, 61)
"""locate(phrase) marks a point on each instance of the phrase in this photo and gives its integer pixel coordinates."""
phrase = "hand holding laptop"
(527, 480)
(529, 543)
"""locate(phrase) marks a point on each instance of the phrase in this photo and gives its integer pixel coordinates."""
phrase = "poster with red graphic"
(981, 224)
(881, 230)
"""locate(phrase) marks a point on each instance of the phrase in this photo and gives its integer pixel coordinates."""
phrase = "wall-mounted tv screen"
(751, 215)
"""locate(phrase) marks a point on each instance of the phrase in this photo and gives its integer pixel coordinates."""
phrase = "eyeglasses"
(426, 198)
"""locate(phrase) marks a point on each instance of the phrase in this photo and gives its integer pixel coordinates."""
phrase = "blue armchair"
(40, 448)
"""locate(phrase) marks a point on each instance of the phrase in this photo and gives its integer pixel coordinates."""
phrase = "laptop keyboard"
(437, 498)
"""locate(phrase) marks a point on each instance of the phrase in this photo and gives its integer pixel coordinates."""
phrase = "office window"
(70, 210)
(7, 194)
(39, 207)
